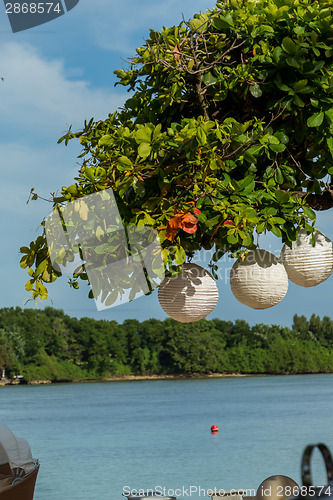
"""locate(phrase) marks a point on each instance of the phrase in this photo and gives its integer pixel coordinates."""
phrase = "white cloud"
(41, 96)
(122, 26)
(46, 169)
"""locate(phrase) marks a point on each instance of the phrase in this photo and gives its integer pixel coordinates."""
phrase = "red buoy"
(214, 429)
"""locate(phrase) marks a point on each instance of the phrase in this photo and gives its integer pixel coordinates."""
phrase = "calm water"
(94, 439)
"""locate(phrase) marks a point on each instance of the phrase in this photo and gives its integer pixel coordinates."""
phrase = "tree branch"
(201, 98)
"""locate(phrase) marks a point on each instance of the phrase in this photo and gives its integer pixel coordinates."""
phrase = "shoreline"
(123, 378)
(127, 378)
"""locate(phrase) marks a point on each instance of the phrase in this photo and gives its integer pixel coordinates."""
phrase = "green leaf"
(246, 237)
(24, 261)
(255, 150)
(106, 140)
(157, 131)
(282, 196)
(246, 185)
(271, 211)
(218, 255)
(298, 101)
(283, 138)
(89, 173)
(261, 227)
(143, 134)
(99, 233)
(329, 115)
(277, 148)
(48, 276)
(276, 231)
(278, 176)
(42, 266)
(277, 220)
(281, 85)
(266, 27)
(277, 54)
(288, 45)
(307, 227)
(309, 213)
(223, 22)
(144, 149)
(180, 256)
(300, 85)
(138, 187)
(293, 62)
(100, 249)
(105, 195)
(149, 220)
(232, 239)
(290, 179)
(291, 232)
(209, 78)
(230, 165)
(111, 299)
(29, 284)
(199, 23)
(249, 157)
(201, 137)
(271, 139)
(125, 161)
(256, 90)
(25, 250)
(41, 290)
(316, 120)
(213, 165)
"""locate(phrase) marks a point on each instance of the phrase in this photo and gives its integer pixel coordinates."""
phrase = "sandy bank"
(120, 378)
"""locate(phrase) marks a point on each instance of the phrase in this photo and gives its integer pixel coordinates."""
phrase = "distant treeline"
(48, 344)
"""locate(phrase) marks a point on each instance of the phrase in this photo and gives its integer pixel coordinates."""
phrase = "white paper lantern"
(308, 265)
(190, 296)
(260, 280)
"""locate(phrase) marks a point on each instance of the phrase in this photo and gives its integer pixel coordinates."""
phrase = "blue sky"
(57, 75)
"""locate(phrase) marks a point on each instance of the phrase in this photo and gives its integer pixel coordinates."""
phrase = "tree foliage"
(66, 348)
(227, 133)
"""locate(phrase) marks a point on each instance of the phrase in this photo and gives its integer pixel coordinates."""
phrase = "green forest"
(48, 344)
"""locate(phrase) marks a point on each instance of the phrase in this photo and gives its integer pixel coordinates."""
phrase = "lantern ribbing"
(259, 281)
(190, 296)
(308, 265)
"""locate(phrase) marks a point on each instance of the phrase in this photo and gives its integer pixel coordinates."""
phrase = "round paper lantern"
(190, 296)
(277, 488)
(260, 280)
(308, 265)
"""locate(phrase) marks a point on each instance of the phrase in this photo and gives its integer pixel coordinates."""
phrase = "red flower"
(176, 52)
(189, 223)
(228, 222)
(173, 226)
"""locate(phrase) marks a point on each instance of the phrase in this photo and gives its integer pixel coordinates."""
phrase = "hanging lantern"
(308, 265)
(260, 280)
(190, 296)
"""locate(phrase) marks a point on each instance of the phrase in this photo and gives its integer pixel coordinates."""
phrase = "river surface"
(98, 440)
